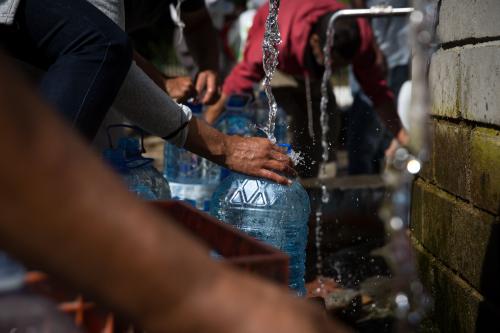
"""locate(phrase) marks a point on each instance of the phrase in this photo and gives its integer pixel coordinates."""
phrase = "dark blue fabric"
(85, 56)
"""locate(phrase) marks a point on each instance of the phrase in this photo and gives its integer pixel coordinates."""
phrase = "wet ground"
(357, 283)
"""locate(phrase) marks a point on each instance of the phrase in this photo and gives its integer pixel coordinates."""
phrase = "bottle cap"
(287, 146)
(195, 108)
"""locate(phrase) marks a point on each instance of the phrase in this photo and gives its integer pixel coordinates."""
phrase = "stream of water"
(270, 52)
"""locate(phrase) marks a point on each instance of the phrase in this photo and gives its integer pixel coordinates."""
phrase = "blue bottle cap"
(195, 108)
(287, 146)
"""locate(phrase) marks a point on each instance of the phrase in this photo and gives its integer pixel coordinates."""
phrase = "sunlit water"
(272, 39)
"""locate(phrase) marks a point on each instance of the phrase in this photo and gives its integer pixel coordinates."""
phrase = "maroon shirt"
(296, 19)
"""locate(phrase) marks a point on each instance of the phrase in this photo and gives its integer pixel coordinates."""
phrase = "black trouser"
(85, 56)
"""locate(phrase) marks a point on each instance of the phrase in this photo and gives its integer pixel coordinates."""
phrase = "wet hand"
(180, 88)
(206, 87)
(258, 157)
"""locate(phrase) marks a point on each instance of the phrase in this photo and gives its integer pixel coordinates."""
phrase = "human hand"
(212, 112)
(180, 88)
(402, 139)
(248, 305)
(206, 87)
(258, 157)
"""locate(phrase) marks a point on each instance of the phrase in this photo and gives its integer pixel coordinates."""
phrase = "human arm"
(370, 75)
(73, 218)
(179, 88)
(246, 73)
(252, 156)
(201, 40)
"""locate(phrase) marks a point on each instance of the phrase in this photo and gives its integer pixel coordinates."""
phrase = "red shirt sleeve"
(249, 71)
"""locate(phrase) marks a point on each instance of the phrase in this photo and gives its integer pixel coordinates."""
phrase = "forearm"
(149, 107)
(201, 39)
(63, 211)
(206, 141)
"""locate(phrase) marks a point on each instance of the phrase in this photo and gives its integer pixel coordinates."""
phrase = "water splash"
(296, 157)
(270, 52)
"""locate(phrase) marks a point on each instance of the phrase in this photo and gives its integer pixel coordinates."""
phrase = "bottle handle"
(135, 128)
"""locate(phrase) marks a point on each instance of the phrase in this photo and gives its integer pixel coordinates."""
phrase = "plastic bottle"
(137, 171)
(192, 178)
(238, 118)
(272, 213)
(261, 110)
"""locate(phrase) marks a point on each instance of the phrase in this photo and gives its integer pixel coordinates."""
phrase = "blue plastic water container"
(192, 178)
(272, 213)
(137, 171)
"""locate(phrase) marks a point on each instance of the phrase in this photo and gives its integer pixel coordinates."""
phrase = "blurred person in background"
(84, 57)
(144, 98)
(303, 31)
(368, 141)
(64, 212)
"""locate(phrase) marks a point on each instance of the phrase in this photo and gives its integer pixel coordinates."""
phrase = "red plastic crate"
(237, 248)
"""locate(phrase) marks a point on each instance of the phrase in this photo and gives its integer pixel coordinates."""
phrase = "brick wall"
(456, 201)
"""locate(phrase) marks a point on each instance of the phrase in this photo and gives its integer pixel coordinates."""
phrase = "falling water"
(409, 297)
(324, 120)
(272, 39)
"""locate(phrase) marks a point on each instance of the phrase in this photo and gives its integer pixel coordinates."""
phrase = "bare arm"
(201, 39)
(63, 211)
(253, 156)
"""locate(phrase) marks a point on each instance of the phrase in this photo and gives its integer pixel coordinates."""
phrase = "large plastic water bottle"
(137, 171)
(11, 273)
(238, 118)
(261, 110)
(272, 213)
(192, 178)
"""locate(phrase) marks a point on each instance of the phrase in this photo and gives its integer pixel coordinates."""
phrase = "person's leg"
(85, 55)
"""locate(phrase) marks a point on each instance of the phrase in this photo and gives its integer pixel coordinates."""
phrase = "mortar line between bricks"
(459, 199)
(446, 268)
(468, 41)
(467, 122)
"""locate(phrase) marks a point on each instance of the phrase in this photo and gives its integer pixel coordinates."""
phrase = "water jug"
(238, 118)
(137, 171)
(192, 178)
(272, 213)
